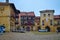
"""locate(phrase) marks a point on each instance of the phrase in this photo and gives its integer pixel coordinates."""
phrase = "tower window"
(44, 15)
(58, 22)
(42, 22)
(48, 14)
(50, 22)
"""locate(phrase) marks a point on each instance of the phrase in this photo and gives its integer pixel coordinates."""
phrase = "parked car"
(42, 30)
(19, 30)
(2, 29)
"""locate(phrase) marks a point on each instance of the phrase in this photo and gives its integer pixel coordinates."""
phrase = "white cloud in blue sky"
(37, 5)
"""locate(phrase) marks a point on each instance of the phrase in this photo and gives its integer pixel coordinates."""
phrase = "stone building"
(48, 20)
(37, 22)
(57, 22)
(7, 15)
(17, 19)
(26, 19)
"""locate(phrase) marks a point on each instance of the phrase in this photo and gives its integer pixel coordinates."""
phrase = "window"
(50, 22)
(25, 21)
(1, 8)
(58, 22)
(25, 17)
(32, 21)
(21, 22)
(29, 17)
(33, 18)
(16, 19)
(44, 15)
(48, 14)
(46, 19)
(21, 17)
(42, 22)
(37, 23)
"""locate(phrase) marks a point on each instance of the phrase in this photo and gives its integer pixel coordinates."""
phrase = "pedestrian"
(57, 31)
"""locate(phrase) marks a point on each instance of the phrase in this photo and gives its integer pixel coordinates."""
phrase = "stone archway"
(38, 28)
(58, 28)
(48, 28)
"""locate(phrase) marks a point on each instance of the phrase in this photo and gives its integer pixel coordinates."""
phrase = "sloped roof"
(27, 14)
(11, 4)
(56, 16)
(43, 11)
(37, 17)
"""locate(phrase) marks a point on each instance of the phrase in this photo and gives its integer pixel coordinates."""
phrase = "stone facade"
(47, 20)
(37, 23)
(26, 19)
(7, 13)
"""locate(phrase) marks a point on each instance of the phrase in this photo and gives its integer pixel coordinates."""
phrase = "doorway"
(38, 28)
(58, 29)
(48, 28)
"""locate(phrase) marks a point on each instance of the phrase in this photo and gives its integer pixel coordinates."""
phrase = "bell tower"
(47, 19)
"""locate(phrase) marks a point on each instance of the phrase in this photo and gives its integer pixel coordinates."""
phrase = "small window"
(1, 8)
(29, 17)
(50, 22)
(48, 14)
(21, 17)
(46, 19)
(43, 22)
(44, 15)
(25, 17)
(25, 21)
(37, 23)
(58, 22)
(16, 19)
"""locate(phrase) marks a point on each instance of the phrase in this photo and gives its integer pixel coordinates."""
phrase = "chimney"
(7, 1)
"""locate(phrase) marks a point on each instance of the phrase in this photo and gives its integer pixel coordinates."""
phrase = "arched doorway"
(48, 29)
(38, 28)
(58, 29)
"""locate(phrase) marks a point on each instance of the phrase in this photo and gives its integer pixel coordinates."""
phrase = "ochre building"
(47, 21)
(7, 14)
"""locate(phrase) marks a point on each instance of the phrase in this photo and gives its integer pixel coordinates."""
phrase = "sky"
(36, 5)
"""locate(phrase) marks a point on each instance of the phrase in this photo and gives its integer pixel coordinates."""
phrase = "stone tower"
(47, 19)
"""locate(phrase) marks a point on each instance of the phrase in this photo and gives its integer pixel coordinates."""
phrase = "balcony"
(16, 16)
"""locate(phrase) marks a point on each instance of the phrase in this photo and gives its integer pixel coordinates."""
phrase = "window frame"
(44, 15)
(49, 15)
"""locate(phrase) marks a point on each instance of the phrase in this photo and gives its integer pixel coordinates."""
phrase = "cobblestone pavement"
(28, 36)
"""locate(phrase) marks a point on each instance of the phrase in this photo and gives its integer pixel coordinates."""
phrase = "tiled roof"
(22, 13)
(37, 17)
(43, 11)
(56, 16)
(11, 5)
(30, 14)
(27, 14)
